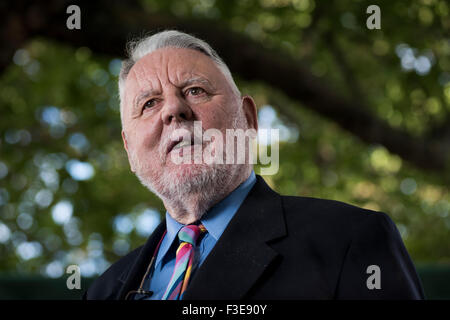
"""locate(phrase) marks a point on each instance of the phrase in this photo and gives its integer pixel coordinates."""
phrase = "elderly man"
(226, 234)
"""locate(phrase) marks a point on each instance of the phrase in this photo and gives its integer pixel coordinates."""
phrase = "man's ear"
(249, 107)
(125, 145)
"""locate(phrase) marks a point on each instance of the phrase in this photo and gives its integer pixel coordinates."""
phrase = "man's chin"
(184, 173)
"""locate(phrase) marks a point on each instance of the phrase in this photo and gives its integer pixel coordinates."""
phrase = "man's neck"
(190, 207)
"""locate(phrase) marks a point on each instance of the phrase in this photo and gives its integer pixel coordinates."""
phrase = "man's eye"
(196, 91)
(150, 103)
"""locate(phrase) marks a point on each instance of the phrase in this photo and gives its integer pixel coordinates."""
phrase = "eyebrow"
(145, 94)
(201, 80)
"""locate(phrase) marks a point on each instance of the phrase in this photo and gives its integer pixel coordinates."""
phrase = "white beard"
(204, 182)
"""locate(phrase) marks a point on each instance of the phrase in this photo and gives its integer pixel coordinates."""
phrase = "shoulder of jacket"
(105, 285)
(330, 212)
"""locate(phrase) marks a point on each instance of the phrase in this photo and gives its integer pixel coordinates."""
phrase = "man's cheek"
(149, 142)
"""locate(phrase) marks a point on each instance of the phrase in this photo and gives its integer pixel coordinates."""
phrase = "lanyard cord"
(151, 262)
(141, 289)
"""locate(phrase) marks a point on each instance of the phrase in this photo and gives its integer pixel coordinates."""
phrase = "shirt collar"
(215, 220)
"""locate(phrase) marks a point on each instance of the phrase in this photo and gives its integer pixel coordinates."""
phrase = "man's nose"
(176, 109)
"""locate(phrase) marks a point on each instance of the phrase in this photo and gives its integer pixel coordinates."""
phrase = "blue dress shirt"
(215, 222)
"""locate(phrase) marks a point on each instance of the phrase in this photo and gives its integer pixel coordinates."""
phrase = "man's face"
(167, 90)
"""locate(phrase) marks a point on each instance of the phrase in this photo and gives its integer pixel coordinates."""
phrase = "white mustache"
(181, 133)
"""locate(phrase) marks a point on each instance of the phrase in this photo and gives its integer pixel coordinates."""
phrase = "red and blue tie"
(179, 281)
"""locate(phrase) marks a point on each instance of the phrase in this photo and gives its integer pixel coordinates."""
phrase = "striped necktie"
(179, 281)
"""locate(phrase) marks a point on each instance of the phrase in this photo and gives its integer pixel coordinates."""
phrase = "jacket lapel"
(132, 277)
(242, 254)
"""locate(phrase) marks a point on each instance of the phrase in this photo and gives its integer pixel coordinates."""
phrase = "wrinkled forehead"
(171, 66)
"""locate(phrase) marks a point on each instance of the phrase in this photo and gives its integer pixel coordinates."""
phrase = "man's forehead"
(172, 64)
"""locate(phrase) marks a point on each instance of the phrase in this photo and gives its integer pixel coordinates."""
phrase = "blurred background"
(363, 118)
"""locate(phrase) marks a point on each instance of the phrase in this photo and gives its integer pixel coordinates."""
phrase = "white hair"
(136, 49)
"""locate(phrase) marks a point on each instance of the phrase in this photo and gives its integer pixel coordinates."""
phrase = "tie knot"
(190, 233)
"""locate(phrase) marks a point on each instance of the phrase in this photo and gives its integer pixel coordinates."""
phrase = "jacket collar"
(238, 259)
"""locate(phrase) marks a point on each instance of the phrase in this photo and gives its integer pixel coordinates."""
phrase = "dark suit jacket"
(283, 247)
